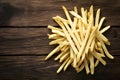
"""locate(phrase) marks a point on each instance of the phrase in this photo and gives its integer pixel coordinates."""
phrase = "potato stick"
(91, 59)
(63, 52)
(99, 58)
(99, 44)
(56, 41)
(100, 49)
(102, 52)
(91, 10)
(67, 15)
(72, 35)
(91, 13)
(80, 29)
(78, 16)
(67, 64)
(63, 64)
(96, 63)
(67, 35)
(92, 45)
(53, 36)
(96, 47)
(99, 54)
(75, 31)
(54, 28)
(63, 57)
(101, 22)
(64, 43)
(53, 52)
(58, 57)
(97, 18)
(63, 19)
(83, 15)
(101, 36)
(83, 56)
(106, 51)
(104, 29)
(80, 63)
(64, 47)
(75, 9)
(86, 66)
(75, 61)
(58, 32)
(84, 43)
(81, 68)
(71, 53)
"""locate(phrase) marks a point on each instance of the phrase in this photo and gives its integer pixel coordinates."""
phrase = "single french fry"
(72, 55)
(97, 18)
(96, 63)
(101, 22)
(83, 15)
(58, 32)
(53, 52)
(56, 41)
(53, 36)
(78, 16)
(64, 48)
(69, 62)
(92, 45)
(80, 68)
(62, 66)
(75, 9)
(67, 15)
(81, 30)
(86, 66)
(54, 28)
(61, 54)
(104, 29)
(92, 66)
(62, 58)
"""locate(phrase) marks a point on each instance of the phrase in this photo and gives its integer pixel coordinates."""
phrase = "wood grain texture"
(35, 68)
(40, 12)
(34, 41)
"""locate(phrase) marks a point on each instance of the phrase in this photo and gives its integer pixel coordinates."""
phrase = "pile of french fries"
(80, 40)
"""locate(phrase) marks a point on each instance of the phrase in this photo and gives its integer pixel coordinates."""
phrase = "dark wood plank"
(24, 41)
(40, 12)
(34, 41)
(35, 68)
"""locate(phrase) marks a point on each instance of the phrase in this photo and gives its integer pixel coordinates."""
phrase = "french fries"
(80, 40)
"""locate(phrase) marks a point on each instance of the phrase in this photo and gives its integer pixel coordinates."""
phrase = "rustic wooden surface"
(24, 42)
(40, 12)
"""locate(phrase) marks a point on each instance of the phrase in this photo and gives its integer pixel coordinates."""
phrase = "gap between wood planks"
(19, 41)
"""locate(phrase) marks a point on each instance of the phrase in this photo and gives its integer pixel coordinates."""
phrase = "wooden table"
(24, 42)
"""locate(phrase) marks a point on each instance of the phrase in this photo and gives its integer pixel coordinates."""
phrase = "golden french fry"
(61, 67)
(54, 28)
(104, 29)
(53, 52)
